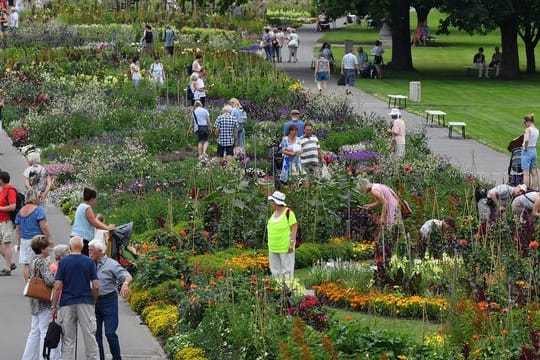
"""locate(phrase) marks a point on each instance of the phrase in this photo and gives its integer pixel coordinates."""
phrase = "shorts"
(26, 254)
(6, 232)
(4, 28)
(528, 159)
(378, 60)
(350, 76)
(221, 150)
(322, 76)
(170, 50)
(202, 133)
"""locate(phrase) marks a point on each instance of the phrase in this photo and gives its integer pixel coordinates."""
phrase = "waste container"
(415, 91)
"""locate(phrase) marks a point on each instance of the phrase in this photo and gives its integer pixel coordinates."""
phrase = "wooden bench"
(453, 124)
(430, 40)
(474, 71)
(396, 100)
(441, 115)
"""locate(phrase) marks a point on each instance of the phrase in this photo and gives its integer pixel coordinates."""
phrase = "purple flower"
(56, 169)
(360, 155)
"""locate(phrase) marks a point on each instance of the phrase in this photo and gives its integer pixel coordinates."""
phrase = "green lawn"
(416, 329)
(492, 108)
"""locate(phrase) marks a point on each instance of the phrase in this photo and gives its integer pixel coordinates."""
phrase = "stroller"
(515, 172)
(119, 242)
(370, 71)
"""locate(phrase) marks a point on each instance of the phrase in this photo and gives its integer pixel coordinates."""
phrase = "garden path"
(135, 339)
(469, 155)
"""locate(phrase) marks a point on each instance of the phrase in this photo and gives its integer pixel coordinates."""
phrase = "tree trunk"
(422, 13)
(529, 52)
(510, 62)
(401, 42)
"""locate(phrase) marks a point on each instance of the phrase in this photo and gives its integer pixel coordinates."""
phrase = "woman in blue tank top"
(85, 220)
(528, 155)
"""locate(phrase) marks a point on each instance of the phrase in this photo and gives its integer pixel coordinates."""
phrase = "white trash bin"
(415, 91)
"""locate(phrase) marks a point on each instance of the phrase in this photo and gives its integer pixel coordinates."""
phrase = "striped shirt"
(310, 150)
(226, 124)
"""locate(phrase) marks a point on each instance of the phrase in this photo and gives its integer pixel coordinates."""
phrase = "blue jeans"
(241, 135)
(350, 76)
(269, 53)
(107, 312)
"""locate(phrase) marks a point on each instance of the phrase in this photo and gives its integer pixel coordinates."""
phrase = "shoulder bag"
(36, 287)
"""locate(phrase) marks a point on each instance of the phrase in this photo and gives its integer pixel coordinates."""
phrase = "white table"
(397, 99)
(441, 115)
(454, 124)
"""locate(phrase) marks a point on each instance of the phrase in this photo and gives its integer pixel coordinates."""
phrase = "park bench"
(430, 40)
(397, 100)
(453, 124)
(471, 70)
(441, 115)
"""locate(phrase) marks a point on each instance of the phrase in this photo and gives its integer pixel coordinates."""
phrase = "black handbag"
(52, 338)
(341, 80)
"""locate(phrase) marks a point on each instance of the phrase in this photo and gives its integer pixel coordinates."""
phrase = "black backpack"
(189, 69)
(52, 338)
(19, 203)
(298, 231)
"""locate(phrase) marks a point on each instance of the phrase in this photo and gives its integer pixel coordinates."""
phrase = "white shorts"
(26, 254)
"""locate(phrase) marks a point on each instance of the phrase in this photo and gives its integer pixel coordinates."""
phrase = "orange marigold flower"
(505, 331)
(533, 244)
(476, 337)
(348, 318)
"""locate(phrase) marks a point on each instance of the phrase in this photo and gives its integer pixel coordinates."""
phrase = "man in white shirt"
(13, 20)
(349, 68)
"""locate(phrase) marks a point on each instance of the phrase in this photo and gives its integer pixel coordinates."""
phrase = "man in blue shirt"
(76, 279)
(110, 274)
(295, 120)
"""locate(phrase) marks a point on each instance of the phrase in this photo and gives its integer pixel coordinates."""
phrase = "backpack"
(19, 203)
(52, 338)
(189, 69)
(298, 231)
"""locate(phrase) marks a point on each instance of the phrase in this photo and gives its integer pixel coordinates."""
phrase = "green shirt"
(279, 231)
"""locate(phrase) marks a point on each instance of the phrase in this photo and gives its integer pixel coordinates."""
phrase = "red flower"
(533, 244)
(469, 179)
(379, 260)
(462, 242)
(183, 232)
(408, 168)
(483, 305)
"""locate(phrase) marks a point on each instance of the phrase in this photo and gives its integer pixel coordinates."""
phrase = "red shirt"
(8, 196)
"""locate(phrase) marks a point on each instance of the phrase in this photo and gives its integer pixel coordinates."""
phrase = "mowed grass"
(492, 108)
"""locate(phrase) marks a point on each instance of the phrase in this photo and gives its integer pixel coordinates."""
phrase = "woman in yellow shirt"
(282, 229)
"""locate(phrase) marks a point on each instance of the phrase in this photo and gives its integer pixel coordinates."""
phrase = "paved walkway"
(135, 339)
(468, 155)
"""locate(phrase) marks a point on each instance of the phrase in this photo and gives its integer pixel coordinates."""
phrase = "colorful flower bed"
(385, 304)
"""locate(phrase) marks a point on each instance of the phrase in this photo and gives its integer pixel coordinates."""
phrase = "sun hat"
(394, 112)
(278, 197)
(295, 112)
(364, 185)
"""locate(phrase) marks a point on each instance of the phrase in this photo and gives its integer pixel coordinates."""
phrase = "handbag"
(52, 338)
(341, 80)
(405, 208)
(36, 288)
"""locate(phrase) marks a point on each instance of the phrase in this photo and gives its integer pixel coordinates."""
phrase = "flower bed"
(385, 304)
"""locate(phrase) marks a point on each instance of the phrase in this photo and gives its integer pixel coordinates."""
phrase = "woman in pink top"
(385, 197)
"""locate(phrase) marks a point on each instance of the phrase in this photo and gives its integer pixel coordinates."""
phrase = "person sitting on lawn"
(496, 61)
(425, 33)
(479, 61)
(417, 36)
(363, 60)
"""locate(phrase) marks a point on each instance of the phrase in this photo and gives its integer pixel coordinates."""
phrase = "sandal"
(5, 272)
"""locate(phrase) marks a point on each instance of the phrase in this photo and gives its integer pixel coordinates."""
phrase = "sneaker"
(13, 267)
(5, 272)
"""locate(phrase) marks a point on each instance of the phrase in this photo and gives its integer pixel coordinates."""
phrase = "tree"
(482, 16)
(529, 29)
(423, 7)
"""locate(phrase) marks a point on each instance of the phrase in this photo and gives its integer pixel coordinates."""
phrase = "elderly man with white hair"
(110, 274)
(77, 281)
(226, 132)
(37, 178)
